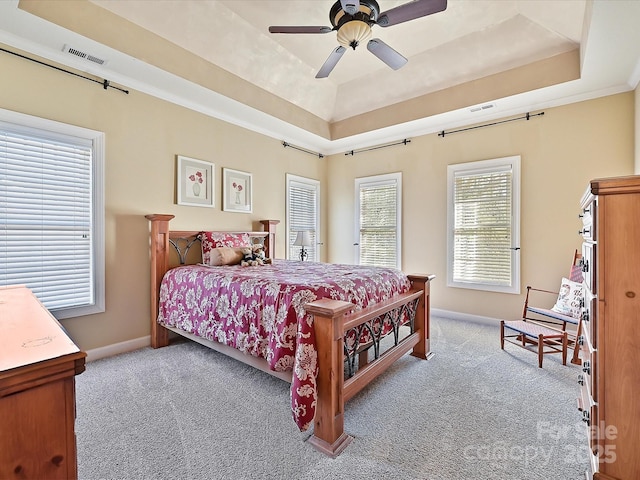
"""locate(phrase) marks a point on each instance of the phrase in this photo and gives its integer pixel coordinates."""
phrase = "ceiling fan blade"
(331, 62)
(385, 53)
(282, 29)
(350, 6)
(411, 11)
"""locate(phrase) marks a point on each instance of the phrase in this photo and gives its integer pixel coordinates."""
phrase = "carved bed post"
(159, 266)
(423, 315)
(270, 240)
(328, 433)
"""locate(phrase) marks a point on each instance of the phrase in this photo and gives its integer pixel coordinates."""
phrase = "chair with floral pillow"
(564, 315)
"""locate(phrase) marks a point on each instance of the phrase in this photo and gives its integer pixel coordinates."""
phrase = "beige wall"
(561, 151)
(143, 135)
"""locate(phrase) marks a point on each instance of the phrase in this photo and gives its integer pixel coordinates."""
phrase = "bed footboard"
(332, 319)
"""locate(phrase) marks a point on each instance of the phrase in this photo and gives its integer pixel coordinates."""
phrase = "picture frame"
(195, 182)
(237, 191)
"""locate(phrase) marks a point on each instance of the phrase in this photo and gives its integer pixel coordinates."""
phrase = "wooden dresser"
(38, 363)
(610, 378)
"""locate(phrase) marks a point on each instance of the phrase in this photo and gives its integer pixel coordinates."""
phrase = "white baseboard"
(465, 317)
(117, 348)
(137, 343)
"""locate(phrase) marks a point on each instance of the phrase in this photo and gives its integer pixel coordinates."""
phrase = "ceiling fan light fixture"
(352, 33)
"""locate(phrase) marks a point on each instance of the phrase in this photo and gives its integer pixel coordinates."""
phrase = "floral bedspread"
(260, 311)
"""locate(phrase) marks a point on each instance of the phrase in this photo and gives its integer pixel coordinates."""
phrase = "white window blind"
(378, 206)
(47, 217)
(303, 214)
(483, 221)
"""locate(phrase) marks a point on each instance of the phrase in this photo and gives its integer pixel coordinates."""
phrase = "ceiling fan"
(353, 19)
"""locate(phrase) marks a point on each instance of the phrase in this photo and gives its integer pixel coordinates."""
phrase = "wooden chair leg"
(575, 359)
(540, 350)
(565, 343)
(502, 334)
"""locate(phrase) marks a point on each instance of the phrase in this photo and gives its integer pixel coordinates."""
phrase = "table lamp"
(303, 240)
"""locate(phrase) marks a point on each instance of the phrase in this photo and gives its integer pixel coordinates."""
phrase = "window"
(484, 225)
(303, 214)
(51, 212)
(379, 213)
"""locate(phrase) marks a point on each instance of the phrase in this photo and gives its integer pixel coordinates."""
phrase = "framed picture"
(195, 180)
(236, 191)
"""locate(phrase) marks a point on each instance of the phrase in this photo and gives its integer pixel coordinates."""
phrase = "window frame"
(371, 181)
(292, 253)
(512, 163)
(37, 126)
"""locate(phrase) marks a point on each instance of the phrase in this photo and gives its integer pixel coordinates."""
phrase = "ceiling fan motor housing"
(368, 13)
(354, 28)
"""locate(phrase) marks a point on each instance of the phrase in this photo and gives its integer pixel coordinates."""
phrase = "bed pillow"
(225, 256)
(569, 298)
(211, 240)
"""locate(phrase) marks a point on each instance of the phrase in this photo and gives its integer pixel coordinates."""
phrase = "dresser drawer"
(588, 216)
(586, 379)
(588, 265)
(585, 390)
(589, 318)
(589, 415)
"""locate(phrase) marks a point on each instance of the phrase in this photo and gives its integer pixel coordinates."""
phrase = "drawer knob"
(585, 417)
(585, 265)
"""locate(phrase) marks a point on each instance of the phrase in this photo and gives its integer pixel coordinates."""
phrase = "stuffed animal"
(259, 255)
(248, 259)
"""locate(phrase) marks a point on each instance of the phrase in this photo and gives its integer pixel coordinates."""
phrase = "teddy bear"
(248, 258)
(260, 255)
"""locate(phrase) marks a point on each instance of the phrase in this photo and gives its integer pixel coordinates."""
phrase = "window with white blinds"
(303, 214)
(50, 235)
(379, 213)
(484, 225)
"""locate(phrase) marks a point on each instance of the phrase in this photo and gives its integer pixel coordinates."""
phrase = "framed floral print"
(195, 180)
(236, 191)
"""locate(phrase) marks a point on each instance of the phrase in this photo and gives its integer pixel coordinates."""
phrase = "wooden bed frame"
(332, 320)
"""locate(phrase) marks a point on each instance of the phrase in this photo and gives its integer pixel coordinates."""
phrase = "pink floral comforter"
(260, 311)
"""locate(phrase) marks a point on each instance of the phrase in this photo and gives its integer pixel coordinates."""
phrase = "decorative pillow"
(576, 274)
(569, 299)
(225, 256)
(211, 240)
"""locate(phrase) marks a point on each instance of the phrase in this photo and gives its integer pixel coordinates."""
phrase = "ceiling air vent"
(84, 55)
(482, 107)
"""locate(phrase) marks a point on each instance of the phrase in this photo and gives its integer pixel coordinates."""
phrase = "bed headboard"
(181, 247)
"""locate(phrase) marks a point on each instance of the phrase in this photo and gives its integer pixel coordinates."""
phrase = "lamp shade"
(303, 239)
(354, 32)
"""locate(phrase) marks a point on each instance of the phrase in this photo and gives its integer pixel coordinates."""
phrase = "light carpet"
(473, 411)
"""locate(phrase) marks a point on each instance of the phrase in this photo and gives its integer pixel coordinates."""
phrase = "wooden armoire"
(610, 379)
